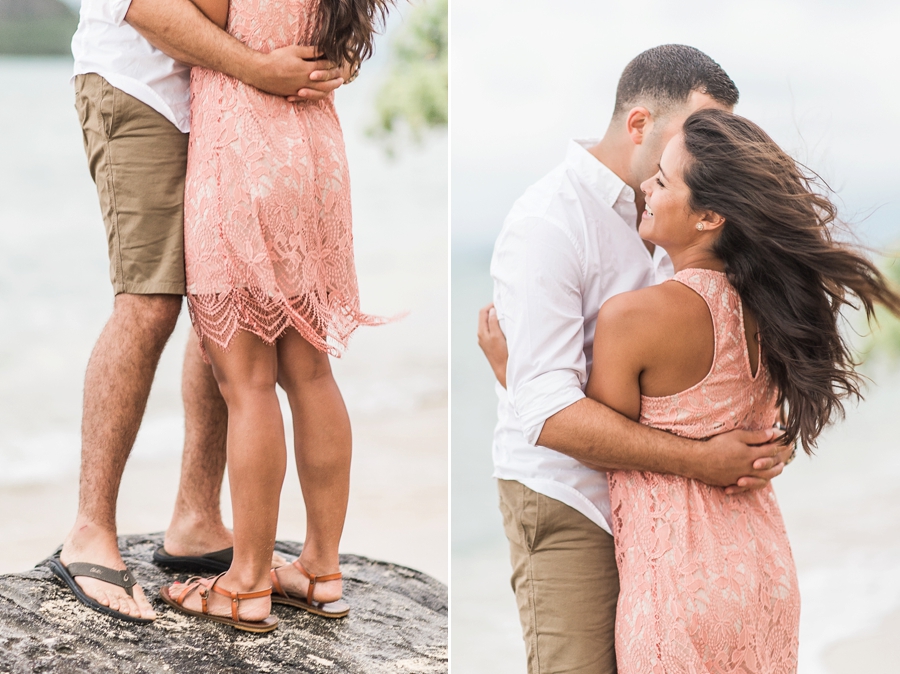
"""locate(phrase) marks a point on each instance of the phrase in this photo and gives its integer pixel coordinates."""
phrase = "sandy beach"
(55, 297)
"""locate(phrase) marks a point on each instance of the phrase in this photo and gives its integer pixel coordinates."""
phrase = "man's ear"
(637, 123)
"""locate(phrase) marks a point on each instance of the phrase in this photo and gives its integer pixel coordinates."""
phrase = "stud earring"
(699, 226)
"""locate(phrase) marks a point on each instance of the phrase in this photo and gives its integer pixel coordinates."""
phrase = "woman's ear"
(712, 221)
(637, 123)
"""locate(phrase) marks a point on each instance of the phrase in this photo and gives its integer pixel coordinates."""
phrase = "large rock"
(398, 624)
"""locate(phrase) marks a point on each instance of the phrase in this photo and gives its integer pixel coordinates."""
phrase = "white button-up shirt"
(105, 44)
(568, 244)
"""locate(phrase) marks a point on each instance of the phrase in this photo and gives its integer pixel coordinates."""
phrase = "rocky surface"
(398, 624)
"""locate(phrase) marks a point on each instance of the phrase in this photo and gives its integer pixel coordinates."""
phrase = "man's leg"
(116, 388)
(137, 159)
(565, 580)
(196, 527)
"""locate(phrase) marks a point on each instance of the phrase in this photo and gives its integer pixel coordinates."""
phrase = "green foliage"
(885, 343)
(414, 95)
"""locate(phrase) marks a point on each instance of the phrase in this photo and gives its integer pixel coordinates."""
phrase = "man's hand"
(298, 72)
(741, 460)
(179, 29)
(493, 342)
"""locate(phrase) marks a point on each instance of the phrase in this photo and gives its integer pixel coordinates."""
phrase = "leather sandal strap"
(321, 578)
(242, 595)
(276, 583)
(313, 579)
(123, 579)
(192, 584)
(237, 596)
(329, 576)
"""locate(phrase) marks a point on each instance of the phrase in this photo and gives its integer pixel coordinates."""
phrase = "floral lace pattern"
(707, 580)
(268, 240)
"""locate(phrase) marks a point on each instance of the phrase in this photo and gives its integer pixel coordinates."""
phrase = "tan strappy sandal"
(204, 585)
(332, 609)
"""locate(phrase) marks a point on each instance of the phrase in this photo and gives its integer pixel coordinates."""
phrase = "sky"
(526, 76)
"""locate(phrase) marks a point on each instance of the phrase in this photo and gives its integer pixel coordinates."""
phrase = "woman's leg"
(322, 446)
(247, 375)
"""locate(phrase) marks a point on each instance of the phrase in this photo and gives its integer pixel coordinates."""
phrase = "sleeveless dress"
(268, 240)
(707, 580)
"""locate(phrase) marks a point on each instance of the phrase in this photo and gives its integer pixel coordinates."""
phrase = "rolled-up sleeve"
(119, 9)
(538, 275)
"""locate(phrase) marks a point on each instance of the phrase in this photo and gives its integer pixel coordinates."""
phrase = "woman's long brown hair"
(781, 256)
(345, 29)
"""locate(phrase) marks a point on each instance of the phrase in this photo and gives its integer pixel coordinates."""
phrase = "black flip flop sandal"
(123, 579)
(215, 562)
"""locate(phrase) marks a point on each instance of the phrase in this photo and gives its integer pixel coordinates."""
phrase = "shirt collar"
(593, 174)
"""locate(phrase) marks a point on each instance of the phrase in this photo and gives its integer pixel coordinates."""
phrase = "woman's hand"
(493, 342)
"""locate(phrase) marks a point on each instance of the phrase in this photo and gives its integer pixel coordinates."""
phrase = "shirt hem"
(140, 91)
(564, 494)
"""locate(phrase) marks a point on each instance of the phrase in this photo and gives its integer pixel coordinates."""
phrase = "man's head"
(657, 92)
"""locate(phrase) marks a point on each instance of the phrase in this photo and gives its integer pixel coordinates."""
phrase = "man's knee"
(152, 316)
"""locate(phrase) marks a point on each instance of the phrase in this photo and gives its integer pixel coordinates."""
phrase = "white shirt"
(106, 45)
(568, 245)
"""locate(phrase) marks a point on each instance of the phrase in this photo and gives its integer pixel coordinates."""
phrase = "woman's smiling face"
(668, 219)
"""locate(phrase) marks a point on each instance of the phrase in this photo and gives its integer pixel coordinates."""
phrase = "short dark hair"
(667, 75)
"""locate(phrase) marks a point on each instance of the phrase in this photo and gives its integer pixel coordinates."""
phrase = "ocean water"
(55, 294)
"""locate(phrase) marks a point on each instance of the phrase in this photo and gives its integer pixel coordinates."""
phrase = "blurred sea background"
(55, 297)
(820, 77)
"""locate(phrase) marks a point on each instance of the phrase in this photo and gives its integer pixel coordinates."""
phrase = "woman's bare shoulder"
(656, 306)
(657, 326)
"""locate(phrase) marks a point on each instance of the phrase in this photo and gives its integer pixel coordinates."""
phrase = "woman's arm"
(493, 342)
(619, 353)
(215, 10)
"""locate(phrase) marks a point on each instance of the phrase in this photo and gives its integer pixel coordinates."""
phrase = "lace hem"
(326, 325)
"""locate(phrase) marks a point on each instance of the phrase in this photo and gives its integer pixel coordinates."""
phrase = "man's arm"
(625, 349)
(605, 440)
(180, 29)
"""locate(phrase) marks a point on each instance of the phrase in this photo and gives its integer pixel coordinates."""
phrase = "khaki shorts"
(566, 583)
(138, 160)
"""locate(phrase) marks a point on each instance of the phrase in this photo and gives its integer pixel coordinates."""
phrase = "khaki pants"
(565, 580)
(138, 160)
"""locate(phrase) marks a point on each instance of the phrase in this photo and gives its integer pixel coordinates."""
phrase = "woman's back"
(265, 25)
(735, 392)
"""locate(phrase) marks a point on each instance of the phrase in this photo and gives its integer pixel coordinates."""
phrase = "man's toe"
(142, 605)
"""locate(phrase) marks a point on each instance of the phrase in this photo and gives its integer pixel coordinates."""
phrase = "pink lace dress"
(268, 241)
(707, 580)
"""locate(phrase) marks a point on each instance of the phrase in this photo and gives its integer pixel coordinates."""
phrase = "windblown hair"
(664, 78)
(345, 29)
(781, 256)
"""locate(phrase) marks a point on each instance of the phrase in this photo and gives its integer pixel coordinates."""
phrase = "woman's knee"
(246, 391)
(295, 370)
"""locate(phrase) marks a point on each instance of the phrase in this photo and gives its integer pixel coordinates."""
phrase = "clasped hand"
(300, 73)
